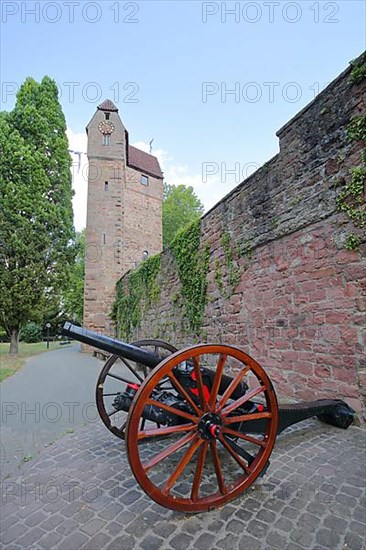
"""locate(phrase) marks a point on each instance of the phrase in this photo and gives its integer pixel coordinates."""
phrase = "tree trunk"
(14, 341)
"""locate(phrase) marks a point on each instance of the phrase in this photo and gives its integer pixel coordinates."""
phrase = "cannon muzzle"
(111, 345)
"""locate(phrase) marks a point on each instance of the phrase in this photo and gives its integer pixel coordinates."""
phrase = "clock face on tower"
(106, 127)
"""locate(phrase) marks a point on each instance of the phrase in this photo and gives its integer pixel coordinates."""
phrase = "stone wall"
(291, 295)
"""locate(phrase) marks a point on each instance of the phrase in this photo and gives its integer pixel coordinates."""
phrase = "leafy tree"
(73, 297)
(36, 220)
(181, 207)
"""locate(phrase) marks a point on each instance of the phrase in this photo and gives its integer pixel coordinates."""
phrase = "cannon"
(199, 423)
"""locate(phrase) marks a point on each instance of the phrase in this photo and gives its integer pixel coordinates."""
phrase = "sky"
(210, 82)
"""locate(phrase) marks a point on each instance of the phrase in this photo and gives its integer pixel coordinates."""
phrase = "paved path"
(80, 493)
(52, 394)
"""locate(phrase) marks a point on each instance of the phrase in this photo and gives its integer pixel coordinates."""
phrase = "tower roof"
(108, 105)
(144, 162)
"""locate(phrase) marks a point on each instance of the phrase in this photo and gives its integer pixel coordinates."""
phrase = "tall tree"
(181, 207)
(73, 296)
(36, 219)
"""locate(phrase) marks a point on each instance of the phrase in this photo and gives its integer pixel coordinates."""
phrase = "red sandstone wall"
(300, 310)
(300, 305)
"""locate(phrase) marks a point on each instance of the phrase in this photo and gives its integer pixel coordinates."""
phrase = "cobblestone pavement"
(80, 493)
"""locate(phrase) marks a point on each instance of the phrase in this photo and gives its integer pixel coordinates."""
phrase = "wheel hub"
(210, 426)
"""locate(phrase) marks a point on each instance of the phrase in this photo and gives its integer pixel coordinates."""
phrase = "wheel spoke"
(144, 370)
(110, 394)
(181, 466)
(234, 454)
(199, 471)
(199, 383)
(161, 385)
(169, 451)
(217, 465)
(239, 450)
(123, 426)
(178, 386)
(131, 369)
(247, 417)
(246, 437)
(172, 410)
(233, 385)
(247, 397)
(217, 380)
(158, 432)
(120, 378)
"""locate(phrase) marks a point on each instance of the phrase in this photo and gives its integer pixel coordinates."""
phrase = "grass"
(10, 364)
(4, 373)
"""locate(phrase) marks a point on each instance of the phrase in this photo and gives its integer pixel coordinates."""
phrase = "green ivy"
(352, 242)
(244, 250)
(358, 72)
(231, 254)
(351, 199)
(234, 277)
(356, 130)
(225, 243)
(233, 272)
(218, 275)
(274, 222)
(248, 250)
(136, 295)
(192, 265)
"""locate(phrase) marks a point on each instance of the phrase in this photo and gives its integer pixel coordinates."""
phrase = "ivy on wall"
(141, 290)
(351, 199)
(134, 296)
(192, 264)
(356, 130)
(232, 269)
(358, 72)
(218, 276)
(232, 255)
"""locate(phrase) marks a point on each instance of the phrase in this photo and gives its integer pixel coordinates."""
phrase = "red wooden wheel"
(212, 454)
(113, 379)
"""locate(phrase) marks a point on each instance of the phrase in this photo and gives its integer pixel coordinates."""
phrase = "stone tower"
(124, 213)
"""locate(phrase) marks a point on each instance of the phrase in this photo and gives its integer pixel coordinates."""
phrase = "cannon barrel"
(111, 345)
(128, 351)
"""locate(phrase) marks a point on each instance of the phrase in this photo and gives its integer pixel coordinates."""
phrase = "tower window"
(106, 139)
(144, 180)
(105, 186)
(106, 116)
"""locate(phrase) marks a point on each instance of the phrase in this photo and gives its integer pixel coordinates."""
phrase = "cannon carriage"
(199, 423)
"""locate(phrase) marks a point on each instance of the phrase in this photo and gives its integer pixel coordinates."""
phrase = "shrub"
(31, 333)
